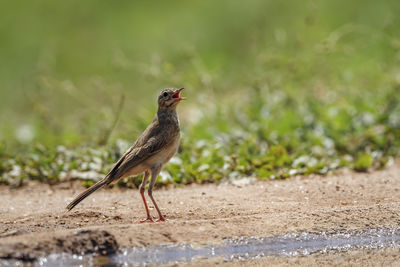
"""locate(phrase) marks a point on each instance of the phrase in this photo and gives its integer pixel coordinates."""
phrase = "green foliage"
(275, 88)
(363, 162)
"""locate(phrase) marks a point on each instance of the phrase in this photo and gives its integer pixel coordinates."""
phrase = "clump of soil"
(82, 242)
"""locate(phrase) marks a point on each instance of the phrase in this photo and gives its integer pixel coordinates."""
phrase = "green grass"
(274, 89)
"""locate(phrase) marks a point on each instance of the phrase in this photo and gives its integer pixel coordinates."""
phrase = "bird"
(154, 147)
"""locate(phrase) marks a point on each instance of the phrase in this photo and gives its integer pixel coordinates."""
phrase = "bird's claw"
(149, 219)
(162, 219)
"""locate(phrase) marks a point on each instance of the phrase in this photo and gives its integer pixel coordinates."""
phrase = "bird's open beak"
(177, 94)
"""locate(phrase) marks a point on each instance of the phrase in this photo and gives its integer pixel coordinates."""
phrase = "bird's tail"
(87, 192)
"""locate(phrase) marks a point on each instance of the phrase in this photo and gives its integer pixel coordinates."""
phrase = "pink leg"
(154, 174)
(161, 219)
(149, 218)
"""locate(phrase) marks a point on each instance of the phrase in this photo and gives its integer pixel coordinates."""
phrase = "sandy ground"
(33, 219)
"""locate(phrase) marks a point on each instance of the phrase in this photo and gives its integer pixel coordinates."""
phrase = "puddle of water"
(292, 244)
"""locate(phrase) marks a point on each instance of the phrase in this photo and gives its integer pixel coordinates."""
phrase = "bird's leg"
(154, 174)
(142, 188)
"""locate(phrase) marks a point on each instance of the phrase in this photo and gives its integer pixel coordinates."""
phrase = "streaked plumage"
(154, 147)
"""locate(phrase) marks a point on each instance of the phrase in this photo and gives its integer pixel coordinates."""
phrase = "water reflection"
(291, 244)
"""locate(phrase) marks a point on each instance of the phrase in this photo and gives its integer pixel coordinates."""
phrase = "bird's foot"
(162, 219)
(149, 219)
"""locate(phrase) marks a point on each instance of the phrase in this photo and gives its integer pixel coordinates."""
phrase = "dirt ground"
(33, 219)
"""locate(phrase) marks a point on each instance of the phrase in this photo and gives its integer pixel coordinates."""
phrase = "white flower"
(25, 133)
(165, 176)
(176, 160)
(16, 171)
(203, 167)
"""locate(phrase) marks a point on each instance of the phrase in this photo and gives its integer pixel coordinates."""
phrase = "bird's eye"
(165, 94)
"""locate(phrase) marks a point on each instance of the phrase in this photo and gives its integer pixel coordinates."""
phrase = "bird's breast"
(165, 154)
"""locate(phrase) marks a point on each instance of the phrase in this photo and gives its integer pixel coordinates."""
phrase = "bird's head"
(170, 97)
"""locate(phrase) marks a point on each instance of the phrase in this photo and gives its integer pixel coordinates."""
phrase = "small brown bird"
(154, 147)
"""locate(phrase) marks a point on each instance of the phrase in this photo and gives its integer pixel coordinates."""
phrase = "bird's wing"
(139, 153)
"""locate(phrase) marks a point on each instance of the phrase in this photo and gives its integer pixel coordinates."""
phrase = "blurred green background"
(274, 88)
